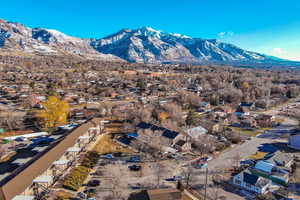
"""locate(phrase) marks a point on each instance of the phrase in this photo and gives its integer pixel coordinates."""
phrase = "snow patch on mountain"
(152, 46)
(144, 45)
(17, 37)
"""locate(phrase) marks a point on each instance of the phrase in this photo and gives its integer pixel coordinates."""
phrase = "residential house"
(242, 111)
(130, 72)
(196, 132)
(150, 133)
(248, 122)
(269, 170)
(265, 121)
(280, 159)
(252, 182)
(249, 105)
(224, 109)
(211, 126)
(245, 108)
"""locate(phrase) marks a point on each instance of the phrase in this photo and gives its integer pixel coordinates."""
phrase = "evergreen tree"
(191, 119)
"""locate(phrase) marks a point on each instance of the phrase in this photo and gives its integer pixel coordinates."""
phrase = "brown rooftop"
(164, 194)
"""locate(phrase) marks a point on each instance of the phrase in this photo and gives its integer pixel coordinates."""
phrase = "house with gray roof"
(196, 132)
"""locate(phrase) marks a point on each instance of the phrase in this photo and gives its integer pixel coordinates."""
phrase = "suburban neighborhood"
(89, 132)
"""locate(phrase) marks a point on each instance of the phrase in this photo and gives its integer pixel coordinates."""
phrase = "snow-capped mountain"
(151, 46)
(15, 37)
(144, 45)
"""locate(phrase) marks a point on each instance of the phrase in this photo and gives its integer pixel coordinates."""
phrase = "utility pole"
(188, 179)
(206, 173)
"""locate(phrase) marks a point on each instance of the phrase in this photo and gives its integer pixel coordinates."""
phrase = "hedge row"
(78, 175)
(76, 178)
(90, 160)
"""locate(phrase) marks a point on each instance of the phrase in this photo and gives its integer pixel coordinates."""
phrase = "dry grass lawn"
(107, 145)
(249, 132)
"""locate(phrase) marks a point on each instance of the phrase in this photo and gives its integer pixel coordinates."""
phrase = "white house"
(196, 132)
(252, 182)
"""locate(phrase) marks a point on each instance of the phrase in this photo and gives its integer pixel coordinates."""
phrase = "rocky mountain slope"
(151, 46)
(143, 45)
(15, 37)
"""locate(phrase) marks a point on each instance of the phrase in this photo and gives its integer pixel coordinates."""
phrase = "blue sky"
(266, 26)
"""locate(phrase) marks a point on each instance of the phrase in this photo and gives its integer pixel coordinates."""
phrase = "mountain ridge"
(142, 45)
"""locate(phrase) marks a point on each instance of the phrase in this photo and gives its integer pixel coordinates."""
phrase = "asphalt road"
(229, 158)
(226, 160)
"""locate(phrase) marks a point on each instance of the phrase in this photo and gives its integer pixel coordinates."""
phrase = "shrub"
(76, 178)
(191, 119)
(90, 160)
(233, 137)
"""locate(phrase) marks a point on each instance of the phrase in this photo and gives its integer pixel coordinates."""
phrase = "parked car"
(170, 179)
(173, 155)
(134, 159)
(134, 167)
(90, 190)
(200, 165)
(207, 158)
(20, 139)
(81, 195)
(93, 183)
(108, 156)
(135, 187)
(179, 177)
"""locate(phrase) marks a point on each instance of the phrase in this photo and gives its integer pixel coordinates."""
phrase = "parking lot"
(118, 181)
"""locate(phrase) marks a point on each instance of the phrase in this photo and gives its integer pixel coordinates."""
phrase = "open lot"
(119, 182)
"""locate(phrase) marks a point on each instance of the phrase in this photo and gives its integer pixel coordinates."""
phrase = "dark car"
(135, 187)
(90, 191)
(93, 183)
(170, 179)
(134, 167)
(20, 139)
